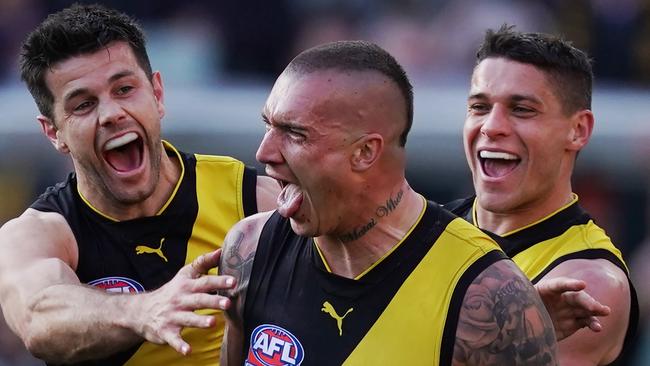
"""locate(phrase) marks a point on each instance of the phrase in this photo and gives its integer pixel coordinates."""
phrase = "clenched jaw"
(124, 153)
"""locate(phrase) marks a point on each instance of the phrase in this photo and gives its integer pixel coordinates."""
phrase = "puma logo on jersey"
(141, 249)
(329, 309)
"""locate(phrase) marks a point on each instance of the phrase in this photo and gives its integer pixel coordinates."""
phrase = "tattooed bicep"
(239, 249)
(503, 321)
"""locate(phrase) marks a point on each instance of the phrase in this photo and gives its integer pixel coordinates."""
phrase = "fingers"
(559, 285)
(583, 301)
(213, 283)
(594, 324)
(178, 344)
(203, 263)
(205, 301)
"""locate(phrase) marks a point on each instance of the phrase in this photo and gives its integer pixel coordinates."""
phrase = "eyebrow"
(512, 98)
(283, 124)
(76, 92)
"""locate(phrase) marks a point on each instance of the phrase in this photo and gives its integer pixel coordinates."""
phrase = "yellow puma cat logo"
(141, 249)
(329, 309)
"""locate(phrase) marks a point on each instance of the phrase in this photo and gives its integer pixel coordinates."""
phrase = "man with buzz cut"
(355, 267)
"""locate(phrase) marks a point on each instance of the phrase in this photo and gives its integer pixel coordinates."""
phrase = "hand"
(570, 307)
(163, 313)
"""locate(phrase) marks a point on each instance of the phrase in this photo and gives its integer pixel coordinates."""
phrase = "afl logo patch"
(274, 346)
(117, 284)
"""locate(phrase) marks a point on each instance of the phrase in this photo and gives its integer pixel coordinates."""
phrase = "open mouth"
(124, 153)
(497, 164)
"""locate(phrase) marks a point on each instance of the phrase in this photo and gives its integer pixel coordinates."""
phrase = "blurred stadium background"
(219, 59)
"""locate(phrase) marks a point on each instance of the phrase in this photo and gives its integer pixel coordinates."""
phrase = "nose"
(496, 122)
(268, 152)
(110, 112)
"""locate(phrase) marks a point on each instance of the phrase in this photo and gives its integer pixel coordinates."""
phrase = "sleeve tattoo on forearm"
(503, 321)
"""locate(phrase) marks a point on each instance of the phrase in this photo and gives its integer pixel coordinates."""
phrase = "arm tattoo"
(237, 261)
(503, 321)
(381, 211)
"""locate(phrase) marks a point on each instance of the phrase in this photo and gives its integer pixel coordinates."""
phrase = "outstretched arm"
(61, 320)
(503, 321)
(608, 284)
(239, 249)
(570, 307)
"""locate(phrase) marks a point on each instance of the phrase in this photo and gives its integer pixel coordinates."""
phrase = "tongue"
(497, 168)
(125, 158)
(289, 200)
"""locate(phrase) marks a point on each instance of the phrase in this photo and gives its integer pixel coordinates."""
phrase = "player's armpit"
(503, 321)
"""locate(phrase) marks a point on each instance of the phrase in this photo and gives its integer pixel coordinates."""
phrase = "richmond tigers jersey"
(569, 233)
(142, 254)
(402, 311)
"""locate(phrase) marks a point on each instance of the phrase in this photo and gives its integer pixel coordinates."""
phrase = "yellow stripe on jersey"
(538, 257)
(219, 193)
(409, 331)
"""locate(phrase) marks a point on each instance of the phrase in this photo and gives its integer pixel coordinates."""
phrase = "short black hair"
(77, 30)
(569, 69)
(358, 56)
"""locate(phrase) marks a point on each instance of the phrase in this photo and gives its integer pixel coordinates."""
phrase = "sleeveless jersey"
(568, 233)
(401, 311)
(212, 194)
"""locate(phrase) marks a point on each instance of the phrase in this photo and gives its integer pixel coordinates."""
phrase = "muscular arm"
(61, 320)
(239, 249)
(608, 285)
(267, 193)
(503, 321)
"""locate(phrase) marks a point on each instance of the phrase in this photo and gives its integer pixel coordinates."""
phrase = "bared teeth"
(497, 155)
(120, 141)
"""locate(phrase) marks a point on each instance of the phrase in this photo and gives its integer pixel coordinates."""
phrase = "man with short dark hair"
(529, 115)
(113, 262)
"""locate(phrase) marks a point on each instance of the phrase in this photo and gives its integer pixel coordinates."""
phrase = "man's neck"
(506, 221)
(170, 173)
(351, 254)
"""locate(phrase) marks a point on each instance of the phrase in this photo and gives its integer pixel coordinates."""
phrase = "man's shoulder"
(503, 321)
(59, 197)
(215, 159)
(460, 207)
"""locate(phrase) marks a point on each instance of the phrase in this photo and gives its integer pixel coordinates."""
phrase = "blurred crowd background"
(219, 59)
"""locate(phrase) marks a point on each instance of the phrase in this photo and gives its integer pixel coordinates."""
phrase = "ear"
(582, 127)
(367, 151)
(52, 134)
(158, 92)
